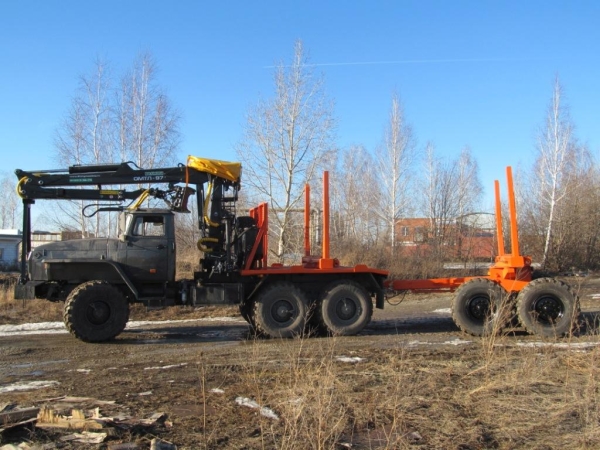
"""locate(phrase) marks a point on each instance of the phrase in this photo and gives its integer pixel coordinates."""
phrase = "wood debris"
(14, 417)
(49, 418)
(82, 417)
(86, 437)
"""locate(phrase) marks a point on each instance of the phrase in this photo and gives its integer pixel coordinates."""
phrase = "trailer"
(508, 293)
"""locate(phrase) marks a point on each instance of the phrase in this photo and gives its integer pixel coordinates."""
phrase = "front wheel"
(96, 311)
(548, 307)
(280, 310)
(480, 307)
(345, 308)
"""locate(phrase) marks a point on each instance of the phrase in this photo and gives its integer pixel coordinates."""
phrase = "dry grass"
(499, 392)
(24, 311)
(481, 396)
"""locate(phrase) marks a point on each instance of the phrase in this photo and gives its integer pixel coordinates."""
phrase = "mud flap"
(379, 298)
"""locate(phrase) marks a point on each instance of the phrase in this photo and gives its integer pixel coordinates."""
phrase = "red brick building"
(472, 239)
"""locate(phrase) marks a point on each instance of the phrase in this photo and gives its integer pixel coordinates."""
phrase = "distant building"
(10, 243)
(44, 237)
(469, 237)
(39, 237)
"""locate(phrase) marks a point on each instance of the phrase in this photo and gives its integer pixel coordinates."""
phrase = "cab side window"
(149, 226)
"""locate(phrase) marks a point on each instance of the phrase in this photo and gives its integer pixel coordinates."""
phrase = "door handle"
(160, 246)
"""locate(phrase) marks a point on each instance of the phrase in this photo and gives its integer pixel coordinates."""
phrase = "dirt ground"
(411, 379)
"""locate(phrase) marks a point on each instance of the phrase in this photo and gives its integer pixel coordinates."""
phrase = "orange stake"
(307, 220)
(325, 254)
(514, 233)
(499, 229)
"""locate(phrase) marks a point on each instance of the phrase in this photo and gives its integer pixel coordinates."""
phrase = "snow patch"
(454, 342)
(33, 328)
(143, 323)
(443, 311)
(267, 412)
(59, 327)
(172, 366)
(350, 359)
(144, 394)
(27, 386)
(217, 391)
(563, 345)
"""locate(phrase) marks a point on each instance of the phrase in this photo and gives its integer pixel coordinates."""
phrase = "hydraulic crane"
(98, 278)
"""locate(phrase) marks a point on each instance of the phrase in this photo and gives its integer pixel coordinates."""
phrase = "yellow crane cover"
(229, 170)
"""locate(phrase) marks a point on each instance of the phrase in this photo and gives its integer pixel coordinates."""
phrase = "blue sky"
(475, 73)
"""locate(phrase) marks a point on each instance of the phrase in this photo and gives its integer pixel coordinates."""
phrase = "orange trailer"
(487, 304)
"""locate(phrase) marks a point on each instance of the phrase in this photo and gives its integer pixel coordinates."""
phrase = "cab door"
(151, 248)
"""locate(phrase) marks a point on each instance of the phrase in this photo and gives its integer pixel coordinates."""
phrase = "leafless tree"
(148, 125)
(450, 190)
(554, 167)
(287, 138)
(134, 122)
(394, 159)
(9, 203)
(354, 192)
(85, 138)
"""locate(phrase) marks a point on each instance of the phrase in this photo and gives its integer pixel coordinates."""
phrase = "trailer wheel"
(345, 308)
(96, 311)
(280, 310)
(548, 307)
(480, 307)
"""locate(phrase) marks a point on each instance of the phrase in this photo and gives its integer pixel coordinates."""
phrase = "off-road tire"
(280, 310)
(548, 307)
(345, 308)
(480, 307)
(96, 311)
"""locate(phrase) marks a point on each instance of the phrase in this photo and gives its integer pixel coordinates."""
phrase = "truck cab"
(141, 259)
(147, 245)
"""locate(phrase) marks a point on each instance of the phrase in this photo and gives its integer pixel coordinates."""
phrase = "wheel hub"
(98, 312)
(479, 307)
(282, 311)
(549, 309)
(346, 309)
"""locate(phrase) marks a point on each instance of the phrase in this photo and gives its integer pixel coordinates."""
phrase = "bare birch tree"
(450, 190)
(148, 125)
(556, 150)
(394, 159)
(286, 140)
(9, 204)
(133, 122)
(354, 192)
(85, 137)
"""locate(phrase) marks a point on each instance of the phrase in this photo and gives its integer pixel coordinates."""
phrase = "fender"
(80, 270)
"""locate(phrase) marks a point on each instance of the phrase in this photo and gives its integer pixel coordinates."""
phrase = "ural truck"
(99, 278)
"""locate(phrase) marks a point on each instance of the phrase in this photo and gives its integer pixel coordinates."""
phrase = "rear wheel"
(96, 311)
(548, 307)
(280, 310)
(480, 307)
(345, 308)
